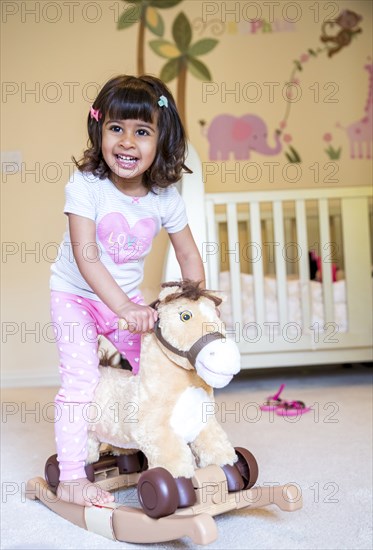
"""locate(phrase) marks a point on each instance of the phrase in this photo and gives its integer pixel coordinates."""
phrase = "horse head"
(191, 334)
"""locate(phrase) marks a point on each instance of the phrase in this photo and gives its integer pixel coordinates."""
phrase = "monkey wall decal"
(348, 22)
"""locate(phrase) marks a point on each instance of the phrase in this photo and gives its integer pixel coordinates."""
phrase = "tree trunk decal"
(181, 89)
(140, 47)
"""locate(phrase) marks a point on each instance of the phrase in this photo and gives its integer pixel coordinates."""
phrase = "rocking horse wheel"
(247, 466)
(235, 480)
(136, 462)
(157, 492)
(52, 472)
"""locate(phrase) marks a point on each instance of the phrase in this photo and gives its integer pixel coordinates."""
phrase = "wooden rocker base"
(127, 524)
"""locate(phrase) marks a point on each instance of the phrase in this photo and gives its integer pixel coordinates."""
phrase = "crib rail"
(354, 210)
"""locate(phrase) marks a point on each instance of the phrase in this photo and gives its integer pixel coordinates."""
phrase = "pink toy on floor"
(282, 407)
(273, 401)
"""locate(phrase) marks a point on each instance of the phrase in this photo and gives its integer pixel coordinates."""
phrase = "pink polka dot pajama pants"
(78, 322)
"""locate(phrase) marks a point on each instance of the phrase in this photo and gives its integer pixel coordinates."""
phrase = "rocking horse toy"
(180, 458)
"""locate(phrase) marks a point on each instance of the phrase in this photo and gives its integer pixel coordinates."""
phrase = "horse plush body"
(166, 411)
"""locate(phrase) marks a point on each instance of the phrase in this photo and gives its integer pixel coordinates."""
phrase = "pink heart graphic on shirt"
(122, 242)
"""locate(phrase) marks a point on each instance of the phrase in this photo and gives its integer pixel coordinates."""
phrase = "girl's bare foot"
(83, 492)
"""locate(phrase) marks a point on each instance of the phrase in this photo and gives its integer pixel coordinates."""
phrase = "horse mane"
(191, 290)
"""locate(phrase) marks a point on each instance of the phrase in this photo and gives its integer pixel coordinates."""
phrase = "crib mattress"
(294, 306)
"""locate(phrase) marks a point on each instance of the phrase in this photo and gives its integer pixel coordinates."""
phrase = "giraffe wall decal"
(360, 133)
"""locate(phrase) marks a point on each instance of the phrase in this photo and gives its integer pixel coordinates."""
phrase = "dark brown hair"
(130, 97)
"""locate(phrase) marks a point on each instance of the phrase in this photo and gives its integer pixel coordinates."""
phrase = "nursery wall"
(56, 55)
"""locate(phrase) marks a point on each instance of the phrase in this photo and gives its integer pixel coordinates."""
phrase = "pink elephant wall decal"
(238, 136)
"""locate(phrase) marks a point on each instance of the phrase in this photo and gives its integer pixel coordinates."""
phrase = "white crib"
(255, 248)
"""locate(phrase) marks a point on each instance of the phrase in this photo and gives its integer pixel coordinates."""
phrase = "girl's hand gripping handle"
(137, 318)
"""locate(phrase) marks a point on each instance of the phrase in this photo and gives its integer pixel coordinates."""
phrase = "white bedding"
(293, 301)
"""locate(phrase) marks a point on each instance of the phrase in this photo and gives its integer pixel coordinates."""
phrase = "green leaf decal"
(161, 4)
(182, 32)
(164, 48)
(289, 157)
(198, 69)
(170, 70)
(295, 154)
(129, 17)
(202, 46)
(154, 21)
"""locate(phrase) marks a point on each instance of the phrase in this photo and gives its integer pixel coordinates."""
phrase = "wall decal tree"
(182, 56)
(145, 13)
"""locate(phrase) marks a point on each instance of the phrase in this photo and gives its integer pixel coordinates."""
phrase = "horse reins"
(191, 355)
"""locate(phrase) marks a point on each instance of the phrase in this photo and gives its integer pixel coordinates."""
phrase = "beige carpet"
(327, 452)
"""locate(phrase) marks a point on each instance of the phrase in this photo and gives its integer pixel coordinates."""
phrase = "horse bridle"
(191, 355)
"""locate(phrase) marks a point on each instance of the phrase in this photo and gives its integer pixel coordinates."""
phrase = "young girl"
(116, 203)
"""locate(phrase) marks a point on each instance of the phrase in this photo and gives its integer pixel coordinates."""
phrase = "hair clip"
(163, 101)
(95, 113)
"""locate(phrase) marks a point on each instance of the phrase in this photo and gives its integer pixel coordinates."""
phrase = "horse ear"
(219, 294)
(167, 291)
(223, 297)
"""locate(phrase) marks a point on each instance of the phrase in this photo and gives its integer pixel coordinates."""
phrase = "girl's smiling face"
(129, 148)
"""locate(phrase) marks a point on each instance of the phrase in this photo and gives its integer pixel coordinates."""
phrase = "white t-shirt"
(125, 229)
